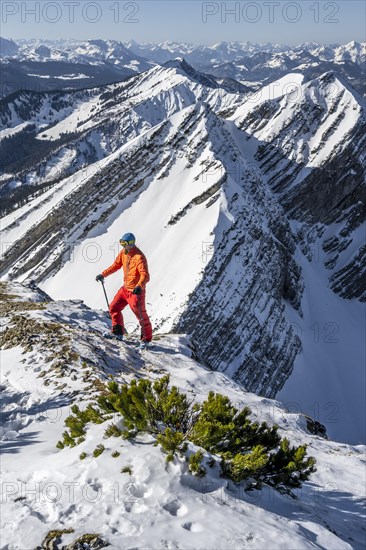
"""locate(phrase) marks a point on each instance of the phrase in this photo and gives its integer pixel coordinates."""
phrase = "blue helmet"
(128, 238)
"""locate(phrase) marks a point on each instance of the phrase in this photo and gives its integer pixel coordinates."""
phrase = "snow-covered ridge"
(157, 504)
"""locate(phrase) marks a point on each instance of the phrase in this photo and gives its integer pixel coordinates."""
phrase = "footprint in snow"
(175, 508)
(136, 507)
(194, 527)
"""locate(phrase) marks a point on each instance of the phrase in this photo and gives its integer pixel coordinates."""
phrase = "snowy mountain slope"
(314, 133)
(328, 379)
(158, 504)
(196, 196)
(68, 130)
(225, 261)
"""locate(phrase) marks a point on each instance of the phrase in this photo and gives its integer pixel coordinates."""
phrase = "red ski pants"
(136, 302)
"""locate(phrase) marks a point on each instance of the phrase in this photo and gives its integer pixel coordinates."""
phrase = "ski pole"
(106, 298)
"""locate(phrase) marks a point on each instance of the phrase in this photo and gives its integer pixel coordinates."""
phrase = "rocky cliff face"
(236, 314)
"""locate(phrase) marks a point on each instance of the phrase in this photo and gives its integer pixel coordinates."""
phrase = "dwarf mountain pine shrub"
(99, 449)
(172, 442)
(76, 423)
(221, 428)
(148, 406)
(195, 464)
(113, 431)
(247, 450)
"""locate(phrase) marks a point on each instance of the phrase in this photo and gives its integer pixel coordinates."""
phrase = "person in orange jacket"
(132, 293)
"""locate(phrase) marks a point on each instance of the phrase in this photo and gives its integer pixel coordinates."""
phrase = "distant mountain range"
(224, 52)
(43, 65)
(48, 65)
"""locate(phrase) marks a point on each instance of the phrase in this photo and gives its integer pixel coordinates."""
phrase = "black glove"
(99, 278)
(137, 290)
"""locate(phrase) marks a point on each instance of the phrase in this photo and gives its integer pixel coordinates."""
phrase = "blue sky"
(196, 21)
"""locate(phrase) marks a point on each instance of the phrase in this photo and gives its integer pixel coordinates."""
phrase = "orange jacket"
(135, 268)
